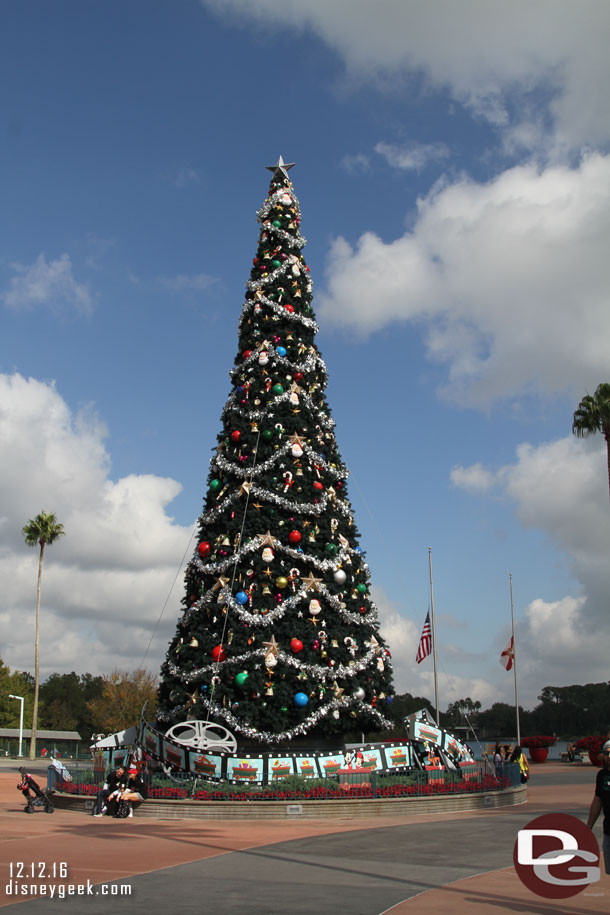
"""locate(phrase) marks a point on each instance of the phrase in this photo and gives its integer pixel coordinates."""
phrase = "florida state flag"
(508, 655)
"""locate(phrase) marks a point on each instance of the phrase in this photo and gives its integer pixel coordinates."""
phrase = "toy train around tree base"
(427, 748)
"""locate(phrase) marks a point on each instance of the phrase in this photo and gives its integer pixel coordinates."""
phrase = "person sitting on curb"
(571, 751)
(135, 791)
(115, 778)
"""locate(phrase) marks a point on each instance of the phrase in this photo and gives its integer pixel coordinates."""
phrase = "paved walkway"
(432, 863)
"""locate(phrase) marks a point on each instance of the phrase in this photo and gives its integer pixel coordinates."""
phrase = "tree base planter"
(538, 754)
(350, 808)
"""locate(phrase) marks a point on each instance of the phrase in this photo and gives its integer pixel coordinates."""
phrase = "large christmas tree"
(279, 637)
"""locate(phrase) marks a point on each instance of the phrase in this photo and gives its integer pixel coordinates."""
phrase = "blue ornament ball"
(241, 597)
(203, 688)
(300, 700)
(280, 350)
(390, 699)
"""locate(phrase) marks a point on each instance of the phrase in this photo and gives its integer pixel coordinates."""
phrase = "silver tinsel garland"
(317, 672)
(310, 722)
(313, 362)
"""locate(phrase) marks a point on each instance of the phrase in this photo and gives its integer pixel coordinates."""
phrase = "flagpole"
(512, 619)
(438, 720)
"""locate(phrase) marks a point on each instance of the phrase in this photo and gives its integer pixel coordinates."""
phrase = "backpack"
(122, 810)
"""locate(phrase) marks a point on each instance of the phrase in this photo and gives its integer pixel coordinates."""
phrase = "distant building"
(66, 743)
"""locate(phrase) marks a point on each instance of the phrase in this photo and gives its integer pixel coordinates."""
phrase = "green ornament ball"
(276, 263)
(241, 677)
(215, 485)
(331, 549)
(361, 588)
(267, 434)
(277, 389)
(277, 223)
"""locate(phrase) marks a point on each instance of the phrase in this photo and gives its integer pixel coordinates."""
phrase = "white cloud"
(561, 489)
(561, 642)
(481, 51)
(509, 280)
(195, 282)
(98, 250)
(185, 177)
(50, 284)
(412, 156)
(355, 164)
(475, 478)
(105, 582)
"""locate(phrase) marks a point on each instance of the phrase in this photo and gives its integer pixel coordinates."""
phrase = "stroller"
(35, 796)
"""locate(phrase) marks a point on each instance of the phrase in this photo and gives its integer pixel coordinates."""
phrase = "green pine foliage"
(279, 637)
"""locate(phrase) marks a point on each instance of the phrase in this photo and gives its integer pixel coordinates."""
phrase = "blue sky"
(454, 189)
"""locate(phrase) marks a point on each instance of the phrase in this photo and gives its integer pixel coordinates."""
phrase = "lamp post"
(10, 695)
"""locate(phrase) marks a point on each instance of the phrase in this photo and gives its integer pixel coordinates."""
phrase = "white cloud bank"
(105, 582)
(482, 51)
(509, 280)
(560, 488)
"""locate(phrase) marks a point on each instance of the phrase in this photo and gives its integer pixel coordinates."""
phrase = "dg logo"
(556, 856)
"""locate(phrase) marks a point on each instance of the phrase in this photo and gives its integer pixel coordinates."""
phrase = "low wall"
(306, 810)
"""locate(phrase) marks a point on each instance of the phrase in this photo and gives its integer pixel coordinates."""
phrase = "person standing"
(601, 802)
(518, 756)
(498, 760)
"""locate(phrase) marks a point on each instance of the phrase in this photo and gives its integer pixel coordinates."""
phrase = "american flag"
(425, 643)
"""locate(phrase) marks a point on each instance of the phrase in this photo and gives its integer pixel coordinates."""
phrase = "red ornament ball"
(318, 486)
(289, 308)
(204, 549)
(246, 353)
(298, 376)
(294, 536)
(296, 645)
(236, 435)
(218, 653)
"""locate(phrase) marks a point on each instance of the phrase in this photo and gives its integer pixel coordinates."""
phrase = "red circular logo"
(556, 856)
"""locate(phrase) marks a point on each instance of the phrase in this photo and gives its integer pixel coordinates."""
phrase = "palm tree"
(43, 529)
(593, 415)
